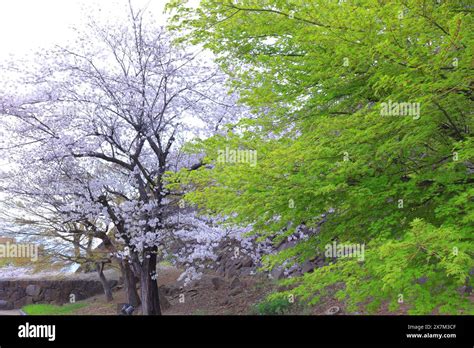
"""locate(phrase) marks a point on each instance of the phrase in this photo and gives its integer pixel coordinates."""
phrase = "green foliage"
(423, 270)
(14, 261)
(273, 305)
(47, 309)
(319, 75)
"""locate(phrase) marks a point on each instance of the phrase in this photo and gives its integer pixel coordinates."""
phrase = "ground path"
(11, 312)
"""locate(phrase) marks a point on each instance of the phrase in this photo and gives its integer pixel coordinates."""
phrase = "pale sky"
(26, 25)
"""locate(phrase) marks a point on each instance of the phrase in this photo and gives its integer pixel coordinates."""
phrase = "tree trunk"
(130, 284)
(104, 282)
(149, 286)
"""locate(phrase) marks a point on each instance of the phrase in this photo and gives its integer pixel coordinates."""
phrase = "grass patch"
(165, 263)
(48, 309)
(200, 312)
(273, 306)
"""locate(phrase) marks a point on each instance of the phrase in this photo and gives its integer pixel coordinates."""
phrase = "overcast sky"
(26, 25)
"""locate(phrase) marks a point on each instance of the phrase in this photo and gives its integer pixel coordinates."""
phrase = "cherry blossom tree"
(115, 107)
(43, 203)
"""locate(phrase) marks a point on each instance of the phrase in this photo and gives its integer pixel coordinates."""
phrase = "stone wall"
(17, 293)
(229, 265)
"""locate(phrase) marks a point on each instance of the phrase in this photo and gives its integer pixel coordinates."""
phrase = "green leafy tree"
(364, 109)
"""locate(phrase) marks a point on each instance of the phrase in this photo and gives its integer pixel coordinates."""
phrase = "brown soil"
(99, 306)
(204, 299)
(200, 299)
